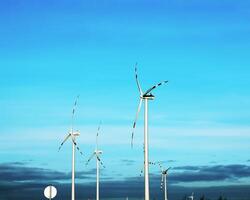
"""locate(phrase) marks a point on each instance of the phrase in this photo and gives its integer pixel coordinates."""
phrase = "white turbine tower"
(72, 135)
(164, 174)
(97, 154)
(144, 97)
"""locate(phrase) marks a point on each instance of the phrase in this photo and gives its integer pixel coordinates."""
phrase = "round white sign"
(50, 192)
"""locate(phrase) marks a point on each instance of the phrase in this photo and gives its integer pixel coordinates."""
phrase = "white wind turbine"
(164, 174)
(145, 97)
(191, 197)
(72, 135)
(97, 154)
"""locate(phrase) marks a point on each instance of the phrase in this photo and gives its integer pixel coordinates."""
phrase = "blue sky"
(51, 51)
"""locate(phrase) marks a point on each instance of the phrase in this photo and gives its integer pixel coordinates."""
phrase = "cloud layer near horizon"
(19, 181)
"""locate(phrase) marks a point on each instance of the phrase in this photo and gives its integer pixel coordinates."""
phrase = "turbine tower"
(164, 174)
(144, 97)
(72, 135)
(97, 154)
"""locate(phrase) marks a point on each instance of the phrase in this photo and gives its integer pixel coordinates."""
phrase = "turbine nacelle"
(98, 152)
(75, 133)
(164, 172)
(148, 96)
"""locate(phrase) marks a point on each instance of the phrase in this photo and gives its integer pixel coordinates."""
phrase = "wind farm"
(97, 152)
(169, 81)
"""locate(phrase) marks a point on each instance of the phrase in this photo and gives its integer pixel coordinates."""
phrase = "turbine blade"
(134, 125)
(77, 147)
(155, 86)
(168, 169)
(73, 111)
(141, 172)
(90, 158)
(67, 137)
(161, 168)
(98, 158)
(151, 163)
(137, 81)
(97, 134)
(99, 127)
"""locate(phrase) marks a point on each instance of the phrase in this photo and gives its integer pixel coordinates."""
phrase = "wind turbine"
(164, 174)
(72, 135)
(144, 97)
(191, 197)
(97, 154)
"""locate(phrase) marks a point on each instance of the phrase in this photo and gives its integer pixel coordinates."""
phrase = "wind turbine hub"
(98, 152)
(76, 133)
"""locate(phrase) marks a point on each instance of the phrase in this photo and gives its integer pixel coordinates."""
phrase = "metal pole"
(50, 192)
(146, 170)
(73, 172)
(165, 186)
(97, 177)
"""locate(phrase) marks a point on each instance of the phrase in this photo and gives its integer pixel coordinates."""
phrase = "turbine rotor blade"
(97, 134)
(137, 81)
(67, 137)
(77, 147)
(98, 158)
(141, 172)
(134, 125)
(75, 104)
(99, 127)
(161, 168)
(90, 158)
(155, 86)
(151, 163)
(168, 169)
(73, 111)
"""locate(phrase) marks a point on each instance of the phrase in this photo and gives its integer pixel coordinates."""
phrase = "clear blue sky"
(51, 51)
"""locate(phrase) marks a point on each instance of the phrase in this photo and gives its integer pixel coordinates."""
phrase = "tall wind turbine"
(97, 154)
(144, 96)
(72, 135)
(164, 174)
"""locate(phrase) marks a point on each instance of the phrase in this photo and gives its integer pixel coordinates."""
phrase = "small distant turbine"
(164, 174)
(97, 154)
(72, 135)
(191, 197)
(144, 97)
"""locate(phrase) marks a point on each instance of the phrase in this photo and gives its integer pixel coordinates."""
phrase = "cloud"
(18, 181)
(171, 161)
(128, 162)
(209, 173)
(18, 171)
